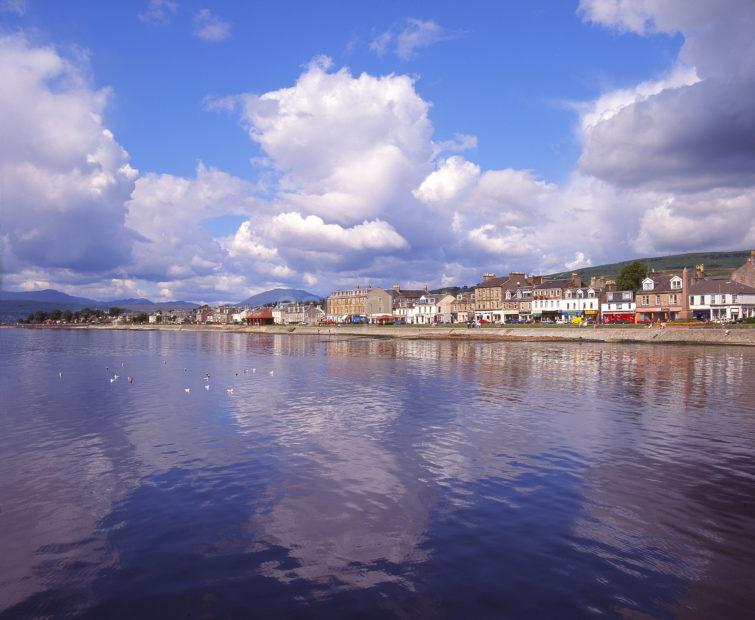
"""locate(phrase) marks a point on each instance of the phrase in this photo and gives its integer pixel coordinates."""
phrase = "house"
(490, 296)
(721, 300)
(663, 297)
(358, 304)
(547, 295)
(580, 302)
(618, 307)
(430, 309)
(279, 311)
(463, 307)
(155, 317)
(403, 302)
(746, 273)
(302, 313)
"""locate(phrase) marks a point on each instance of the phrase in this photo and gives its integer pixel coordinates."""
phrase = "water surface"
(373, 477)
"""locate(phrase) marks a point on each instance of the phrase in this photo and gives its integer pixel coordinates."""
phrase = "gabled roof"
(662, 282)
(548, 284)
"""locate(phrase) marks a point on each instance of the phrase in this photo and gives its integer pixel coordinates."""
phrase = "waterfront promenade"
(671, 334)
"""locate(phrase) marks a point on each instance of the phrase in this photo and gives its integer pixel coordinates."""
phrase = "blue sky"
(520, 79)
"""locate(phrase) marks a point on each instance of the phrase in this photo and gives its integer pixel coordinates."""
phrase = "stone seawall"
(670, 335)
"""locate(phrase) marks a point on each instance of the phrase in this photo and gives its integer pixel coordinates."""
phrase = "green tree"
(40, 316)
(115, 311)
(142, 317)
(56, 314)
(631, 276)
(30, 318)
(67, 316)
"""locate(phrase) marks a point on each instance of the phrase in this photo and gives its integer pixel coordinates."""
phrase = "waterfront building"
(746, 273)
(721, 300)
(580, 302)
(618, 307)
(358, 304)
(279, 311)
(463, 307)
(430, 309)
(260, 316)
(663, 297)
(490, 295)
(302, 313)
(547, 296)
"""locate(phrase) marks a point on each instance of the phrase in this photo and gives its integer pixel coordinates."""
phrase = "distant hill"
(277, 295)
(716, 264)
(46, 295)
(15, 305)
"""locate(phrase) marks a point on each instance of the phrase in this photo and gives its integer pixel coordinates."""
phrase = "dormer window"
(647, 284)
(591, 293)
(580, 294)
(568, 294)
(676, 282)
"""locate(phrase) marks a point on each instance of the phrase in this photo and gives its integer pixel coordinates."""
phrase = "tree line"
(85, 315)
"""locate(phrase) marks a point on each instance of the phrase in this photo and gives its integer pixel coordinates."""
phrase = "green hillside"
(716, 264)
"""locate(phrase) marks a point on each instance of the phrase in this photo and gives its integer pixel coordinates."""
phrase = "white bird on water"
(271, 373)
(229, 391)
(130, 379)
(187, 390)
(206, 387)
(112, 379)
(60, 374)
(254, 370)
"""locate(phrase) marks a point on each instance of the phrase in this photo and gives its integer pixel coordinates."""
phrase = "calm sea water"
(373, 478)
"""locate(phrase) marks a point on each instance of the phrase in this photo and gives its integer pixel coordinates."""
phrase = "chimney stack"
(487, 276)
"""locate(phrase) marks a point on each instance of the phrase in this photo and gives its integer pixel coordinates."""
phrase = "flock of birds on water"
(206, 377)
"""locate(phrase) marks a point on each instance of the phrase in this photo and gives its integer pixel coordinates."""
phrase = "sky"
(206, 151)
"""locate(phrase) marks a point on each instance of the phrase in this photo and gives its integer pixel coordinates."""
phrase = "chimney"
(396, 288)
(684, 315)
(752, 257)
(425, 288)
(576, 280)
(487, 276)
(534, 280)
(699, 272)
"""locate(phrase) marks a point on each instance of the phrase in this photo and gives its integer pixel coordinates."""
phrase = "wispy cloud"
(210, 27)
(18, 7)
(159, 12)
(409, 36)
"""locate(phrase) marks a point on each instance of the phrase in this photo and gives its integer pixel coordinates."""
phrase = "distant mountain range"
(16, 305)
(277, 295)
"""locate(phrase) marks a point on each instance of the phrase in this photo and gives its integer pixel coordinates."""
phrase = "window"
(647, 285)
(674, 299)
(676, 282)
(733, 299)
(646, 300)
(626, 295)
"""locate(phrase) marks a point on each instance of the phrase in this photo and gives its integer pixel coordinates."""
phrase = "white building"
(618, 307)
(580, 302)
(429, 310)
(721, 300)
(279, 314)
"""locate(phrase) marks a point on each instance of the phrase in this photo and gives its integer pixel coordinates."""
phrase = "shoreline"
(655, 335)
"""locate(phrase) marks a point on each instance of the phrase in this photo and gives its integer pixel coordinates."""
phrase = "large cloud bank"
(357, 187)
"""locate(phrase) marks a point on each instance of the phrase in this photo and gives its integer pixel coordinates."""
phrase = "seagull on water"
(254, 370)
(60, 374)
(130, 379)
(187, 390)
(271, 373)
(229, 391)
(112, 380)
(206, 387)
